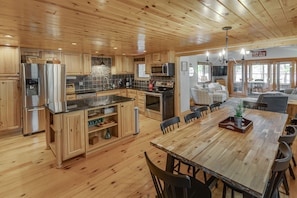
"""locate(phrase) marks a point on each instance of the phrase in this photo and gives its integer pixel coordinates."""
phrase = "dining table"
(243, 158)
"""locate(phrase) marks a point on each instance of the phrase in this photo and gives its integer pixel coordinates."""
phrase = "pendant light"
(102, 63)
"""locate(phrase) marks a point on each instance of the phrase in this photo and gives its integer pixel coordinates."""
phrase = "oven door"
(153, 105)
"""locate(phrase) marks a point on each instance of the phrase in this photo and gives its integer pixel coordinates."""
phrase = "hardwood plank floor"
(27, 169)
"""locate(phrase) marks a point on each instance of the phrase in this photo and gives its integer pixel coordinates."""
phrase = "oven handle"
(153, 94)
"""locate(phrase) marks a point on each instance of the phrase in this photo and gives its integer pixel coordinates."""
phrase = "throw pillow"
(294, 91)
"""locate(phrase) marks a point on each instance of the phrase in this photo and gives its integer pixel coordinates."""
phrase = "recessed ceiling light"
(8, 36)
(96, 52)
(7, 44)
(74, 43)
(115, 48)
(59, 49)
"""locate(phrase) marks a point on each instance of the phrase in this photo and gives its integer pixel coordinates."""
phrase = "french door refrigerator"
(43, 84)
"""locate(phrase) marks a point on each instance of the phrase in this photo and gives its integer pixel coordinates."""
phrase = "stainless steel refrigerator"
(42, 84)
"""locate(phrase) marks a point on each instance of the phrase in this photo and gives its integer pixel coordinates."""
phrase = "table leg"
(170, 163)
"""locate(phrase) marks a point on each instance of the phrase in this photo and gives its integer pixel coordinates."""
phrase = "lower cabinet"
(65, 134)
(86, 131)
(127, 122)
(141, 101)
(10, 116)
(73, 134)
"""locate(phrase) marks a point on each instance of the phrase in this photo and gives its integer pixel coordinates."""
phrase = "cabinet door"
(132, 93)
(10, 114)
(117, 66)
(73, 134)
(128, 65)
(140, 101)
(9, 61)
(87, 64)
(122, 65)
(73, 64)
(127, 125)
(156, 57)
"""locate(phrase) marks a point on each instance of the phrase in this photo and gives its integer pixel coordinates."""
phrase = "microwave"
(166, 69)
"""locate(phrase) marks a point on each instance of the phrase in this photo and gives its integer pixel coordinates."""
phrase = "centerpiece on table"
(237, 122)
(239, 109)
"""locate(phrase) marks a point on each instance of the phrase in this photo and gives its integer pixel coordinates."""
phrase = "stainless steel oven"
(160, 102)
(153, 102)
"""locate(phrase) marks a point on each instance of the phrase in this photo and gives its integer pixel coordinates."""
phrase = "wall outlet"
(81, 83)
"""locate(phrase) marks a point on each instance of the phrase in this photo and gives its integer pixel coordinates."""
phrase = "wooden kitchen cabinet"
(73, 134)
(10, 105)
(122, 65)
(132, 93)
(163, 57)
(9, 61)
(127, 121)
(123, 92)
(87, 65)
(51, 55)
(141, 101)
(73, 62)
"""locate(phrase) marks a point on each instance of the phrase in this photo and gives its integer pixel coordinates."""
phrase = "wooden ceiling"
(136, 26)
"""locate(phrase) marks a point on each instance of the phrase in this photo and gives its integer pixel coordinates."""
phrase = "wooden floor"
(27, 169)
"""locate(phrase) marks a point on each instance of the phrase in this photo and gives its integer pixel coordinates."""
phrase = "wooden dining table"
(241, 158)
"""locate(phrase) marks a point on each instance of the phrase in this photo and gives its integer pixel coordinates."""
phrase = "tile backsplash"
(101, 78)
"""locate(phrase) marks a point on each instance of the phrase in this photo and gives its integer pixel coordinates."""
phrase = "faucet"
(106, 86)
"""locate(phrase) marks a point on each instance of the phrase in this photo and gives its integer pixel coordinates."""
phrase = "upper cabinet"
(122, 65)
(87, 64)
(73, 62)
(76, 63)
(9, 61)
(163, 57)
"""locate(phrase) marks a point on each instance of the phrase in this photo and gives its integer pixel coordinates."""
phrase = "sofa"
(213, 93)
(276, 101)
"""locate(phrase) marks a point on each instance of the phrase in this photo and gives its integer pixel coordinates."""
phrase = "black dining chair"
(192, 116)
(215, 106)
(203, 110)
(168, 126)
(279, 167)
(169, 185)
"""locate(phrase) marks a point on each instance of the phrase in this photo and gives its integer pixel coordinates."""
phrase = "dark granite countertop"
(82, 104)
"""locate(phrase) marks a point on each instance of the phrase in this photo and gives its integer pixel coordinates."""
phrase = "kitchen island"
(82, 127)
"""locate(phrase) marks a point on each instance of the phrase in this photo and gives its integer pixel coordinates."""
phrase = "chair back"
(290, 136)
(276, 103)
(168, 185)
(169, 124)
(254, 105)
(192, 116)
(203, 110)
(280, 165)
(215, 106)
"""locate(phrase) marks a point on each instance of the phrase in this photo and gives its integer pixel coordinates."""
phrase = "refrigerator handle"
(36, 109)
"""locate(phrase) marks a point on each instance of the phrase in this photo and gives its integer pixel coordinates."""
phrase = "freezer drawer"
(34, 120)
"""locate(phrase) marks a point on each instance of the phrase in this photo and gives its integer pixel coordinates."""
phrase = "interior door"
(238, 79)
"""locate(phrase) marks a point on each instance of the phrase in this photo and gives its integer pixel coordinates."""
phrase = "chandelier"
(223, 55)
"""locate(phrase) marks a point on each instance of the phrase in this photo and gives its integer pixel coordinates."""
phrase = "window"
(141, 71)
(204, 72)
